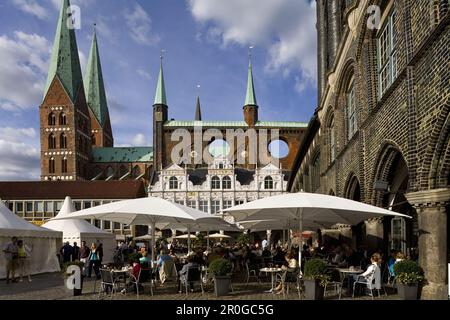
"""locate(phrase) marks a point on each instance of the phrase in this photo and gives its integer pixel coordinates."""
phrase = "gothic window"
(215, 183)
(52, 141)
(387, 54)
(63, 141)
(64, 165)
(332, 140)
(226, 183)
(173, 183)
(62, 119)
(315, 174)
(351, 110)
(268, 183)
(51, 166)
(306, 181)
(51, 119)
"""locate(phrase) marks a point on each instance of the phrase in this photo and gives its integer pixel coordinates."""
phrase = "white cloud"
(20, 160)
(32, 7)
(144, 74)
(285, 27)
(139, 24)
(23, 70)
(83, 60)
(138, 140)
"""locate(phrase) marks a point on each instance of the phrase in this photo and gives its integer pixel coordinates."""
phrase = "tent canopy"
(12, 225)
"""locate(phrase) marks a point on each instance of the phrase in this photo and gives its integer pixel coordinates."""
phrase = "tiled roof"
(234, 124)
(126, 154)
(42, 190)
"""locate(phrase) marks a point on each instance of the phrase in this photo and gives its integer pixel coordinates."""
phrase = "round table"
(345, 273)
(273, 272)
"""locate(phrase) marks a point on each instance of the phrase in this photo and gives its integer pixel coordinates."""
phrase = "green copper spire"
(160, 97)
(65, 62)
(198, 111)
(94, 86)
(250, 99)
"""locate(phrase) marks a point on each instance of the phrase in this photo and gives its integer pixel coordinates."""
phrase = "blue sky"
(206, 43)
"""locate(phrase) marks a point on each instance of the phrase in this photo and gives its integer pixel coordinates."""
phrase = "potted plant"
(408, 276)
(221, 269)
(315, 279)
(80, 265)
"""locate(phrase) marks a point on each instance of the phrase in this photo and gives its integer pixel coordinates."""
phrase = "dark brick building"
(380, 133)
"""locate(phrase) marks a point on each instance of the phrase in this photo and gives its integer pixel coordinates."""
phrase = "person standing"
(11, 256)
(94, 262)
(75, 252)
(84, 255)
(24, 252)
(100, 253)
(66, 252)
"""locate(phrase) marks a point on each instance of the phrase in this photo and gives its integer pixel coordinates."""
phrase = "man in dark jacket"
(66, 252)
(84, 254)
(76, 252)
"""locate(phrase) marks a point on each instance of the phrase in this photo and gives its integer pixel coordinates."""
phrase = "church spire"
(198, 111)
(94, 85)
(250, 99)
(65, 62)
(160, 97)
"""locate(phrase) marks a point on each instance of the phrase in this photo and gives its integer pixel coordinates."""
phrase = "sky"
(205, 43)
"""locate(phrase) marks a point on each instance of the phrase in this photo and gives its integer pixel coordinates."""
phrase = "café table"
(273, 272)
(345, 273)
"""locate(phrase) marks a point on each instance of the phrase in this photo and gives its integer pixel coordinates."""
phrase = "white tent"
(44, 242)
(76, 230)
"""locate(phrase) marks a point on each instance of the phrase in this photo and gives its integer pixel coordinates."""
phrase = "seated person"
(371, 269)
(183, 273)
(131, 287)
(178, 264)
(198, 258)
(166, 266)
(290, 265)
(144, 260)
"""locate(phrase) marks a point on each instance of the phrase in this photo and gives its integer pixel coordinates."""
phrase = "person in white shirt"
(264, 244)
(371, 269)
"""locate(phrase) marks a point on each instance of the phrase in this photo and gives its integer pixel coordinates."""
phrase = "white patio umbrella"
(142, 211)
(218, 236)
(308, 208)
(186, 236)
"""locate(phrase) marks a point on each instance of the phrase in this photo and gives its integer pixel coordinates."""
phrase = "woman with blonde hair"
(94, 261)
(290, 266)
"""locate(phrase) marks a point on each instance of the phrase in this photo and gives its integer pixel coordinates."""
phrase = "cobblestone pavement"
(51, 287)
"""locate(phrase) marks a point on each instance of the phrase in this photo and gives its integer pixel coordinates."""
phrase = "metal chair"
(147, 276)
(372, 282)
(192, 276)
(251, 273)
(108, 282)
(291, 277)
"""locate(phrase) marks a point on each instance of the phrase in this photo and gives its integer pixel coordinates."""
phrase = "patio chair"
(372, 283)
(147, 277)
(193, 276)
(108, 283)
(251, 273)
(135, 281)
(291, 277)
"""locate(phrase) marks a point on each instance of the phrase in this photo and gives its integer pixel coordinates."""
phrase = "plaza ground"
(51, 287)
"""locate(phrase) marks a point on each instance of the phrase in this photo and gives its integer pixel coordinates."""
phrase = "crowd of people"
(91, 257)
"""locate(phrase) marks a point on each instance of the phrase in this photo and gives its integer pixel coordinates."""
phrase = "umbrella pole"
(153, 241)
(189, 239)
(207, 240)
(300, 226)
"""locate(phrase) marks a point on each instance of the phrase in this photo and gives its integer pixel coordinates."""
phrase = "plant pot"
(222, 285)
(313, 290)
(408, 291)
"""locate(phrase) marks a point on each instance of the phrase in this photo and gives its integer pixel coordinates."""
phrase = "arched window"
(215, 183)
(136, 171)
(332, 140)
(387, 54)
(51, 119)
(226, 183)
(351, 110)
(173, 183)
(51, 166)
(268, 183)
(63, 141)
(64, 165)
(62, 119)
(51, 141)
(315, 173)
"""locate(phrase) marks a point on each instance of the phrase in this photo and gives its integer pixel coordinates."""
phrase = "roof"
(94, 85)
(125, 154)
(65, 61)
(234, 124)
(48, 190)
(250, 98)
(198, 111)
(160, 96)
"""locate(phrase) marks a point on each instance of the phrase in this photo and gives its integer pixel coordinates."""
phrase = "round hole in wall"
(219, 148)
(279, 149)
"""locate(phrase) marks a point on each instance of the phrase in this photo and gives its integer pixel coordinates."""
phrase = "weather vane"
(162, 53)
(198, 89)
(250, 48)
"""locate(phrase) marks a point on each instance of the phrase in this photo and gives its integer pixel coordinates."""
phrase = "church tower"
(65, 125)
(160, 117)
(101, 134)
(251, 105)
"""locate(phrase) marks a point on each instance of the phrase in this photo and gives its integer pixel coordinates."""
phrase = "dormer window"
(226, 183)
(173, 183)
(268, 183)
(215, 183)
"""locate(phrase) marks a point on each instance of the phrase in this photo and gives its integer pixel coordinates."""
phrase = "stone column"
(269, 240)
(374, 233)
(432, 216)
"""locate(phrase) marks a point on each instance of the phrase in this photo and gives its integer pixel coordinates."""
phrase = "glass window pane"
(39, 206)
(87, 204)
(58, 205)
(117, 226)
(29, 206)
(107, 225)
(19, 206)
(203, 205)
(48, 206)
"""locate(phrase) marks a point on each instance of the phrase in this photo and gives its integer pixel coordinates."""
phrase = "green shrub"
(220, 267)
(408, 272)
(315, 269)
(243, 239)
